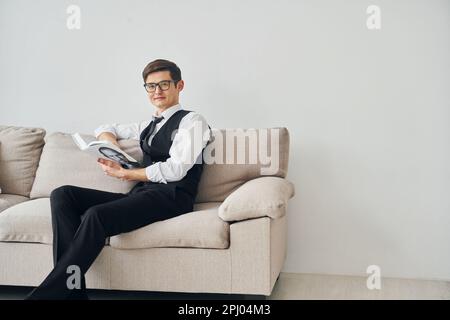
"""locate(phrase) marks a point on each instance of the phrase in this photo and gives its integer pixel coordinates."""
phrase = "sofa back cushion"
(238, 155)
(233, 157)
(19, 157)
(63, 163)
(0, 158)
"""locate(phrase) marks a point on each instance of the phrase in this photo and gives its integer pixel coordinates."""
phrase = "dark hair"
(162, 65)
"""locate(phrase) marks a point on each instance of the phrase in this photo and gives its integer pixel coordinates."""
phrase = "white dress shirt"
(187, 141)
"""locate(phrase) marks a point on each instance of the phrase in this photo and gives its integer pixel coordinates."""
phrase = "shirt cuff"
(154, 174)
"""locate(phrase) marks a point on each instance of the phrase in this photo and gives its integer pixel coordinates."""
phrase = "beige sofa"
(234, 242)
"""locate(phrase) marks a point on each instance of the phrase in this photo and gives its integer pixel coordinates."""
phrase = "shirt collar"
(169, 112)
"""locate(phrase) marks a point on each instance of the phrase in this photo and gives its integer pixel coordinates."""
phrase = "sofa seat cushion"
(201, 228)
(8, 200)
(30, 221)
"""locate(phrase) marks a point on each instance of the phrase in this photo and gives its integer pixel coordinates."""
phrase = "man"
(83, 218)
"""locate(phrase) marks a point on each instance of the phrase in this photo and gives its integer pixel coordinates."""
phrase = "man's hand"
(114, 169)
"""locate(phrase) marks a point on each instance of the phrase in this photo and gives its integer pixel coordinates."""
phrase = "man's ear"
(180, 85)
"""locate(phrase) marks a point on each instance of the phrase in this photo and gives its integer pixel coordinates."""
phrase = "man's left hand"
(113, 169)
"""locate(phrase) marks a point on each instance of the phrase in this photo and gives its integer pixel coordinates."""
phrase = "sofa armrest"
(258, 251)
(265, 196)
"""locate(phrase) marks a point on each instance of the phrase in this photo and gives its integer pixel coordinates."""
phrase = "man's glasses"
(163, 85)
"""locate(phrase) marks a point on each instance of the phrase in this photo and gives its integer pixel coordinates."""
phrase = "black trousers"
(83, 218)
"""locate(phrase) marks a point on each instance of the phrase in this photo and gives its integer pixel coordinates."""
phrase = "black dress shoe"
(42, 295)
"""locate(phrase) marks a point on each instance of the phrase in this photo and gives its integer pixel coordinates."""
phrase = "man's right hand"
(108, 136)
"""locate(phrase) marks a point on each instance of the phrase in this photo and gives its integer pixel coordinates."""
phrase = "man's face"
(164, 99)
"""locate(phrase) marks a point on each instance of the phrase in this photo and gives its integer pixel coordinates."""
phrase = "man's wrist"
(135, 175)
(127, 174)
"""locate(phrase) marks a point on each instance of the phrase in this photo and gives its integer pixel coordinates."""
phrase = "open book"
(106, 150)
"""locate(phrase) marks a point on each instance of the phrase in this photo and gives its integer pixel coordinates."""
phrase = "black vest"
(158, 151)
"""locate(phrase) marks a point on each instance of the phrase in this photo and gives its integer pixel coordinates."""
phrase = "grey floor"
(294, 286)
(290, 286)
(19, 293)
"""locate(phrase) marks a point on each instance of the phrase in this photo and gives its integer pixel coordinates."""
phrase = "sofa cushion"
(19, 157)
(8, 200)
(0, 158)
(265, 196)
(223, 172)
(30, 221)
(201, 228)
(63, 163)
(230, 160)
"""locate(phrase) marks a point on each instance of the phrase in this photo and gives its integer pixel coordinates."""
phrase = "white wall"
(368, 111)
